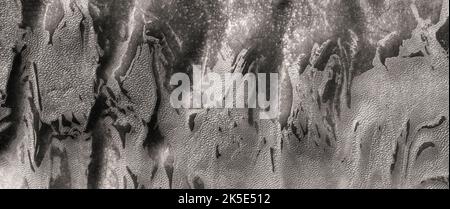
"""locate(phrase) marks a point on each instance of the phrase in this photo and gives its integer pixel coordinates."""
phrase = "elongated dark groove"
(441, 120)
(272, 158)
(133, 177)
(423, 147)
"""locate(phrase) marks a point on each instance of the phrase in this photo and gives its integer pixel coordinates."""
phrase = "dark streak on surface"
(14, 100)
(394, 157)
(197, 183)
(30, 13)
(272, 158)
(123, 131)
(217, 152)
(133, 177)
(442, 36)
(154, 139)
(423, 147)
(169, 167)
(98, 142)
(192, 121)
(154, 170)
(31, 162)
(356, 126)
(60, 162)
(434, 125)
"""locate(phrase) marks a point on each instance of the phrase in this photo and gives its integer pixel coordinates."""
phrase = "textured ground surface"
(85, 95)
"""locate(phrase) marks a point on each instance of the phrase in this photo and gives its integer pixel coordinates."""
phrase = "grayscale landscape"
(85, 94)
